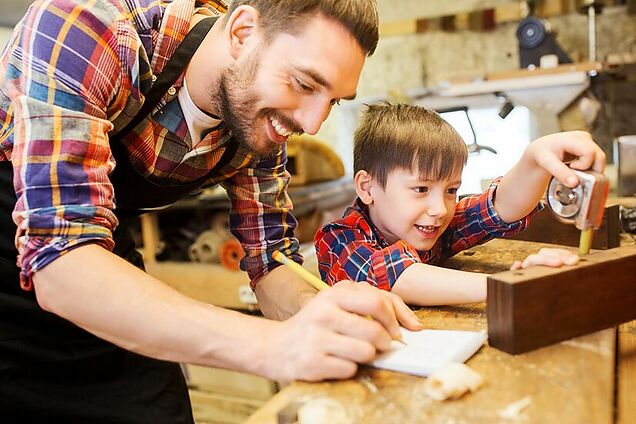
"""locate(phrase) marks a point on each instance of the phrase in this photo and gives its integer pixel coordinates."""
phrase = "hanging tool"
(473, 147)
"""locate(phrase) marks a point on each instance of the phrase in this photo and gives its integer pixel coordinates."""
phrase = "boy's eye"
(452, 191)
(421, 189)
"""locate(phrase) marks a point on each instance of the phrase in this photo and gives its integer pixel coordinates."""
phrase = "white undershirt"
(198, 121)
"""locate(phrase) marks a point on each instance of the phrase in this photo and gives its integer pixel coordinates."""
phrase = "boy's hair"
(360, 17)
(407, 137)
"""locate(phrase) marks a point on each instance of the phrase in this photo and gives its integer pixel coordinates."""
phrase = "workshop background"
(455, 56)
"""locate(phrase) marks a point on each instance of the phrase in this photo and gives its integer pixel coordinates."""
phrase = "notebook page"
(427, 350)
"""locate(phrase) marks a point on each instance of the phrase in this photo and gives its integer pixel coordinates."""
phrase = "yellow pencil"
(585, 242)
(308, 277)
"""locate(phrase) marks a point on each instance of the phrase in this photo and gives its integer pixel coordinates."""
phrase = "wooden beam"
(538, 306)
(626, 407)
(545, 228)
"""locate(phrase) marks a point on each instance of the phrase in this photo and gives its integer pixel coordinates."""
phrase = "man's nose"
(311, 114)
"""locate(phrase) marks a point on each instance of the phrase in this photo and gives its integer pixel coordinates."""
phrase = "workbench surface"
(569, 382)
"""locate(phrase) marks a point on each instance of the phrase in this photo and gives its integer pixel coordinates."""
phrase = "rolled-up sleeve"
(260, 216)
(63, 76)
(476, 221)
(346, 253)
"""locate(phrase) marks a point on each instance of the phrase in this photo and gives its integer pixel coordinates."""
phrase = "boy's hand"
(551, 151)
(330, 335)
(548, 256)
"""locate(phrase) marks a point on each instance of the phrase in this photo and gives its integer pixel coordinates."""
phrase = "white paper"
(427, 350)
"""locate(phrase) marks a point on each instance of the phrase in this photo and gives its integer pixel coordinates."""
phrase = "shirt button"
(154, 78)
(172, 91)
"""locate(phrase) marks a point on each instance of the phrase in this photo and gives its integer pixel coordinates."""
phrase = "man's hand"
(551, 151)
(330, 335)
(548, 256)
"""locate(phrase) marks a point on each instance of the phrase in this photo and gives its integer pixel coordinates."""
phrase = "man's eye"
(335, 102)
(303, 87)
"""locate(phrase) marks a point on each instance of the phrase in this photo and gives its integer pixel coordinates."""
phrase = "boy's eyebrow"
(320, 80)
(417, 180)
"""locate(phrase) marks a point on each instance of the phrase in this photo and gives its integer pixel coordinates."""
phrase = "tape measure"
(582, 205)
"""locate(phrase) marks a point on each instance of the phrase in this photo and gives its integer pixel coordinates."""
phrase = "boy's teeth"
(428, 228)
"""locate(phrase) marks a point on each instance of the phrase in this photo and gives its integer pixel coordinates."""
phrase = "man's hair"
(407, 137)
(360, 17)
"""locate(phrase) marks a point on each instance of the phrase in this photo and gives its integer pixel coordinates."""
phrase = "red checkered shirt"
(352, 247)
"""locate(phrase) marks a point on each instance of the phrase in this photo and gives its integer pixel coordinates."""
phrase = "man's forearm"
(281, 293)
(112, 299)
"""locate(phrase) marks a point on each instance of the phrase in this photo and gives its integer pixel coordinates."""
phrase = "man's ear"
(240, 26)
(363, 182)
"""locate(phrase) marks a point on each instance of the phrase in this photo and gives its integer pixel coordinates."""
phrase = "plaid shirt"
(75, 72)
(352, 247)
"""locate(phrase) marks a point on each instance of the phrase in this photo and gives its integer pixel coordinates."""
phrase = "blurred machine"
(537, 40)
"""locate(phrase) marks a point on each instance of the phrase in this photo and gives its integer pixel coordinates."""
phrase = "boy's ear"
(363, 181)
(240, 26)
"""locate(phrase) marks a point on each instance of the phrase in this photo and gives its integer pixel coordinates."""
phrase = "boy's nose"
(437, 207)
(311, 115)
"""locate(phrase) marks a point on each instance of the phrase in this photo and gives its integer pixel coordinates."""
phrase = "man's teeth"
(280, 130)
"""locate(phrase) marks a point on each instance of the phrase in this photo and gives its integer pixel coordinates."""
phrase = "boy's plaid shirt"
(75, 71)
(352, 248)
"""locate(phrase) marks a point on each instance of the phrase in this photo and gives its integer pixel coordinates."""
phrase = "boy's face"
(412, 209)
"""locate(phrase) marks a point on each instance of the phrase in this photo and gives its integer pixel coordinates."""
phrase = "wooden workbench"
(571, 382)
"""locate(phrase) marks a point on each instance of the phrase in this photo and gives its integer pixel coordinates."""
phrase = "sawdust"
(513, 411)
(452, 381)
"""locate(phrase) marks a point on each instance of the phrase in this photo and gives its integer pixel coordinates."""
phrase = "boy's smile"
(413, 209)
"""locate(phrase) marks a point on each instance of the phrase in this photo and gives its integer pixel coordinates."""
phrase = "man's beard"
(236, 104)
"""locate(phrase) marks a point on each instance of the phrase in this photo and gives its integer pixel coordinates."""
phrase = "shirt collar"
(363, 210)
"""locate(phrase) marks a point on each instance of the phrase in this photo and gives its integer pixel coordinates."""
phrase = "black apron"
(52, 370)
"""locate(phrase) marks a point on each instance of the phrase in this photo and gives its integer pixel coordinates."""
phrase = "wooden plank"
(230, 383)
(405, 27)
(626, 407)
(150, 236)
(570, 382)
(208, 283)
(563, 68)
(544, 227)
(211, 408)
(508, 12)
(547, 8)
(538, 306)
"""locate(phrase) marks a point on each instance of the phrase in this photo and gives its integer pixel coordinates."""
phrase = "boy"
(408, 164)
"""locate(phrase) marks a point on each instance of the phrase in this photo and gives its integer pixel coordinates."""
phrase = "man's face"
(413, 209)
(289, 83)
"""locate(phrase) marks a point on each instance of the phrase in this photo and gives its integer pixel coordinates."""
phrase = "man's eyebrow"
(320, 80)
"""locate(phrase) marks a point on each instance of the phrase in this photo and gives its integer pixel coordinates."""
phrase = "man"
(85, 336)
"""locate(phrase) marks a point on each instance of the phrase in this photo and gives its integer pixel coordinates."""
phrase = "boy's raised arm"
(523, 186)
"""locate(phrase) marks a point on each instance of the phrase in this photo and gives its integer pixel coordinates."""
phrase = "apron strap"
(169, 75)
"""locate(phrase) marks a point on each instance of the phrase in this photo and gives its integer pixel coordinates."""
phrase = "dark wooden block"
(538, 306)
(545, 228)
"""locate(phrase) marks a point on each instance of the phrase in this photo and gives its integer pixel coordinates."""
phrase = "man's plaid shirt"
(352, 247)
(74, 72)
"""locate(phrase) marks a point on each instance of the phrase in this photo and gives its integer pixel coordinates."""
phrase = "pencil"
(585, 242)
(310, 278)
